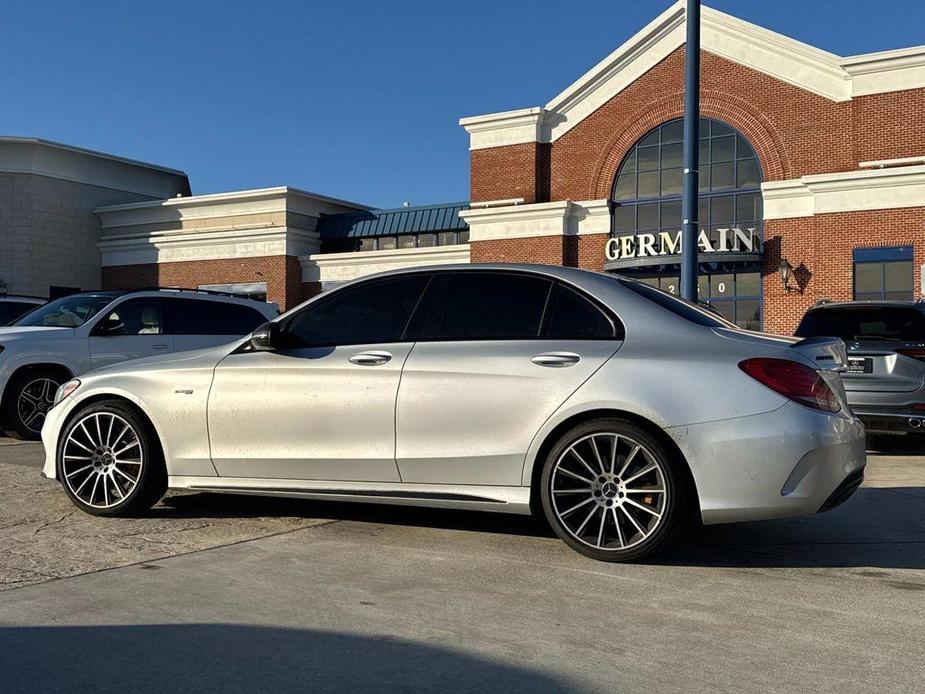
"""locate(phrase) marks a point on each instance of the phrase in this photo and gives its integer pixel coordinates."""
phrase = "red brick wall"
(549, 250)
(889, 126)
(283, 275)
(820, 249)
(515, 171)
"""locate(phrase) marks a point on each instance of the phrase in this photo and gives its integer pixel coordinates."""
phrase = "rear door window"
(570, 316)
(859, 323)
(484, 306)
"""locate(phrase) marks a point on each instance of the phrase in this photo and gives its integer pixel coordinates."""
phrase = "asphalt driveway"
(229, 594)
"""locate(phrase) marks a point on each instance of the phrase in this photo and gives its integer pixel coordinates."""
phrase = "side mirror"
(265, 338)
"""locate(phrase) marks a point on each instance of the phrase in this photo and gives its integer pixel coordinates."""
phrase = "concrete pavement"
(388, 599)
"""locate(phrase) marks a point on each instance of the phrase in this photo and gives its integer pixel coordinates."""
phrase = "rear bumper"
(789, 462)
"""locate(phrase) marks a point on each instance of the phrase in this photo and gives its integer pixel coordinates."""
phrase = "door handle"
(370, 358)
(159, 346)
(556, 359)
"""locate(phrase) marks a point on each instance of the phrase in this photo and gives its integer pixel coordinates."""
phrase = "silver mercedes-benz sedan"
(611, 408)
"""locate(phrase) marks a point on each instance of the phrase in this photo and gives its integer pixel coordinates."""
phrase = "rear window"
(678, 306)
(858, 323)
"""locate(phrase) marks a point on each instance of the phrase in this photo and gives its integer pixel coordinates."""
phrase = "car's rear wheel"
(28, 398)
(612, 491)
(110, 462)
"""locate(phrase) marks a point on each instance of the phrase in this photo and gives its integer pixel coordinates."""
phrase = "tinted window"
(68, 312)
(685, 309)
(144, 316)
(571, 316)
(485, 306)
(865, 322)
(11, 310)
(373, 312)
(201, 317)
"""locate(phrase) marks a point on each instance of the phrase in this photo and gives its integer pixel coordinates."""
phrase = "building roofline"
(230, 196)
(820, 72)
(90, 152)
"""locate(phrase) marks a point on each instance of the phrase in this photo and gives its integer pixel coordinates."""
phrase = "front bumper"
(788, 462)
(51, 430)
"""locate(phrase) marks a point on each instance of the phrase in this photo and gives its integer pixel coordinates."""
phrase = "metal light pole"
(690, 228)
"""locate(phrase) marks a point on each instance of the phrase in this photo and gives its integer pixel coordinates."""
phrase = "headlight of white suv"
(66, 389)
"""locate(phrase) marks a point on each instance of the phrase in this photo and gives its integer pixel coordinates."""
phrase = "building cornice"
(560, 218)
(257, 201)
(846, 191)
(342, 267)
(822, 73)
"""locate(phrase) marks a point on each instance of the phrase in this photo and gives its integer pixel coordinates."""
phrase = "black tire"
(143, 445)
(28, 396)
(627, 543)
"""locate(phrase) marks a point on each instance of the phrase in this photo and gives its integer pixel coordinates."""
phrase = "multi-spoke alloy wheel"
(108, 462)
(102, 460)
(35, 399)
(608, 490)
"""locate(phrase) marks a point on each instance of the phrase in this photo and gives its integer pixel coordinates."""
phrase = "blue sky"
(353, 99)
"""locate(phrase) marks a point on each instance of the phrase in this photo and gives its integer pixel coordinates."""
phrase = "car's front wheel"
(110, 461)
(611, 490)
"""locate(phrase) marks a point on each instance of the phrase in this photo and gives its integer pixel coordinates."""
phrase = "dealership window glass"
(883, 274)
(368, 244)
(406, 241)
(387, 243)
(426, 240)
(734, 295)
(201, 317)
(651, 175)
(370, 313)
(485, 306)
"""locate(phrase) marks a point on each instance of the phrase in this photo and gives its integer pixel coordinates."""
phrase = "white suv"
(90, 330)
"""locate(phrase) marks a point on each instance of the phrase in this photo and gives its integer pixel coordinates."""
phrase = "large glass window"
(734, 295)
(485, 306)
(647, 190)
(373, 312)
(883, 274)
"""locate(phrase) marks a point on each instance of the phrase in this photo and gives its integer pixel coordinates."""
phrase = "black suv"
(885, 380)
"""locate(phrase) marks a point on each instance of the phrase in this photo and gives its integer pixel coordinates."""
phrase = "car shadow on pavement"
(231, 658)
(877, 527)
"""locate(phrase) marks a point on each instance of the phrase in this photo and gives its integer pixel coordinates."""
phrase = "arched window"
(647, 200)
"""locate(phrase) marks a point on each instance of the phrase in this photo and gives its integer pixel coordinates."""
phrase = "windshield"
(858, 323)
(66, 312)
(700, 315)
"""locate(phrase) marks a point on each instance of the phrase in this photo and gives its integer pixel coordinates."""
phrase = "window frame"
(339, 293)
(415, 324)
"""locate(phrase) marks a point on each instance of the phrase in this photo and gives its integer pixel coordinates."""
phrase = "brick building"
(806, 158)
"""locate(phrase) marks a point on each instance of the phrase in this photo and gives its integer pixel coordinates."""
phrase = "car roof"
(174, 292)
(572, 274)
(837, 305)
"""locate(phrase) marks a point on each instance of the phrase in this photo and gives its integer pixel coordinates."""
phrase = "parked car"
(885, 377)
(89, 330)
(607, 405)
(12, 306)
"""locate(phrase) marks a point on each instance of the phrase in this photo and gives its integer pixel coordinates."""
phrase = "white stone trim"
(885, 163)
(496, 203)
(219, 243)
(241, 202)
(804, 66)
(505, 128)
(848, 191)
(561, 218)
(342, 267)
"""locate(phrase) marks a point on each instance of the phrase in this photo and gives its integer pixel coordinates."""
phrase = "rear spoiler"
(827, 353)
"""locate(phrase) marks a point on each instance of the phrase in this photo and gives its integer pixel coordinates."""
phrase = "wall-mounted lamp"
(786, 272)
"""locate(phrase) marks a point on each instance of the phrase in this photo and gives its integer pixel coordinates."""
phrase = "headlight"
(66, 389)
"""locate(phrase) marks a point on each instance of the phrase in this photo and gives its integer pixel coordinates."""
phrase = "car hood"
(193, 359)
(34, 333)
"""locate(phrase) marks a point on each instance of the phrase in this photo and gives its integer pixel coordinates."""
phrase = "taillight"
(915, 353)
(793, 380)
